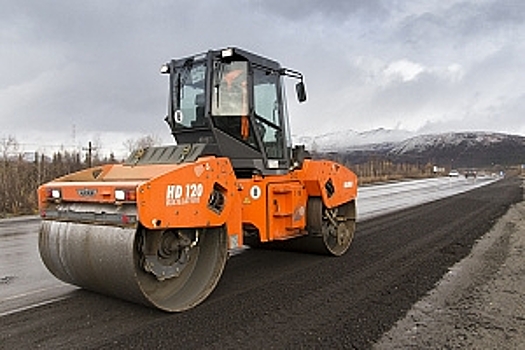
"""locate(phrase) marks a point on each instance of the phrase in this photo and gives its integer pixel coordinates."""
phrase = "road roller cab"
(157, 229)
(232, 102)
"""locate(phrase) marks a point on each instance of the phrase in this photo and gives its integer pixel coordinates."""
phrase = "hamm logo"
(86, 192)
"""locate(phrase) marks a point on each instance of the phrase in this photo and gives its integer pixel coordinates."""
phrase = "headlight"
(227, 53)
(120, 195)
(125, 195)
(165, 69)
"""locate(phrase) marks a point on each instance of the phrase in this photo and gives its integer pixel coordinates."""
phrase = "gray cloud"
(73, 71)
(337, 10)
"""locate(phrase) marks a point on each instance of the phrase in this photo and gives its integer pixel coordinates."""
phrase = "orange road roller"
(158, 228)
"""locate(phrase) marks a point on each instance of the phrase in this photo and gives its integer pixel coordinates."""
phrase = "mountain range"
(453, 149)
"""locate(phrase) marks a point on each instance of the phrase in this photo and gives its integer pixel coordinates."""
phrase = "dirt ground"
(480, 303)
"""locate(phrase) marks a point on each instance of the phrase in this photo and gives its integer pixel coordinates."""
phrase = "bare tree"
(8, 147)
(142, 142)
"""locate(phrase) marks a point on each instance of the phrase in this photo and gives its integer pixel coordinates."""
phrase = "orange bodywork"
(204, 193)
(277, 205)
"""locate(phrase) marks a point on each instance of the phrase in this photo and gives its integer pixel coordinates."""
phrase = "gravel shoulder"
(480, 302)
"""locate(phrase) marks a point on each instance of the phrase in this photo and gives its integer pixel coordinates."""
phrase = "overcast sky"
(74, 71)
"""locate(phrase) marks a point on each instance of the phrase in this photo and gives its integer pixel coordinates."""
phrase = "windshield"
(230, 89)
(189, 95)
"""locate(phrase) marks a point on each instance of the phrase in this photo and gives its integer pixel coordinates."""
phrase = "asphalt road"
(274, 299)
(376, 200)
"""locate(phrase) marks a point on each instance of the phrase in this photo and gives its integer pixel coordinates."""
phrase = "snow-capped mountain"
(458, 149)
(349, 139)
(422, 143)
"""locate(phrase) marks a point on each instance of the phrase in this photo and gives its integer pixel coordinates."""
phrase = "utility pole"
(89, 154)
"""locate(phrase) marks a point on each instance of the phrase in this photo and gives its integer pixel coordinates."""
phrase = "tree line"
(21, 173)
(20, 177)
(379, 169)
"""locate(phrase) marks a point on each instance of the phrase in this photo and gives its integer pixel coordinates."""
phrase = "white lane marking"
(41, 290)
(24, 308)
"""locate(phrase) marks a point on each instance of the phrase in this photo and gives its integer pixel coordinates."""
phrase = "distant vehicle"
(470, 173)
(453, 173)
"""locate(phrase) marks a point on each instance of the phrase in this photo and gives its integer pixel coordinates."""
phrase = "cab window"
(267, 112)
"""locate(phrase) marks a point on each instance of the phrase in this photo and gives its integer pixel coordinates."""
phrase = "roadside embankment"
(480, 302)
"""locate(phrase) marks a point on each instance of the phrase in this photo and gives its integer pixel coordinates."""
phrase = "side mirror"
(301, 91)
